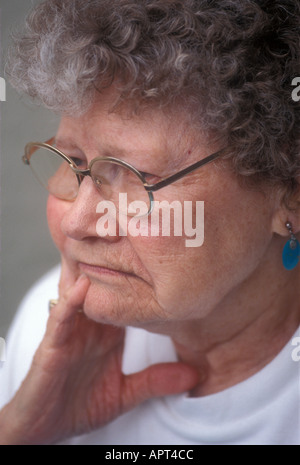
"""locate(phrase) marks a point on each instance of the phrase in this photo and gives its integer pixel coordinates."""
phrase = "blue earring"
(291, 251)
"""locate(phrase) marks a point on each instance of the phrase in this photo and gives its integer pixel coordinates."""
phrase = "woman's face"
(149, 280)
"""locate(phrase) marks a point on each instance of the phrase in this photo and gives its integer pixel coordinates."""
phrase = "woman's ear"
(287, 212)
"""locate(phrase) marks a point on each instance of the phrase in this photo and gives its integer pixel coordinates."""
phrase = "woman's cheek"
(55, 213)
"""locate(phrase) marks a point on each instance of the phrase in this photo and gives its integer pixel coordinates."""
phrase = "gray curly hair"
(229, 63)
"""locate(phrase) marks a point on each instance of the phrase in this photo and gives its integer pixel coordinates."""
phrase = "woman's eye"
(151, 178)
(79, 162)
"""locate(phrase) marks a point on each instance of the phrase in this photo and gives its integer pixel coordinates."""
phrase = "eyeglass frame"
(150, 188)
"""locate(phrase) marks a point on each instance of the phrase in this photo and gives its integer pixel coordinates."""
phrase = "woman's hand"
(75, 383)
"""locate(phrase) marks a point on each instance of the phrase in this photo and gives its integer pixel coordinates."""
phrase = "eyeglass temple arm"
(31, 145)
(175, 177)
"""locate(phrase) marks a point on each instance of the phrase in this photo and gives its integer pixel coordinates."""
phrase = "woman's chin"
(105, 304)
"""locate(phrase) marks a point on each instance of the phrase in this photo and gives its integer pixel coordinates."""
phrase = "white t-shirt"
(263, 410)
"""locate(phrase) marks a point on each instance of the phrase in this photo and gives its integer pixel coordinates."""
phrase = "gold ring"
(52, 304)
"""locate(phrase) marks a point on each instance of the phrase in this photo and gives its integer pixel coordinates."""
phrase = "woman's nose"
(80, 219)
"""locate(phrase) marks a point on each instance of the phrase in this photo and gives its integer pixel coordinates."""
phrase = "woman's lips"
(102, 270)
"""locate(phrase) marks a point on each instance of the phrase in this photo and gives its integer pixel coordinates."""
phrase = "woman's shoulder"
(32, 315)
(26, 332)
(45, 287)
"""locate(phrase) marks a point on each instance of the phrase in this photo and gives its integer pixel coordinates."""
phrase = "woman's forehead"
(151, 135)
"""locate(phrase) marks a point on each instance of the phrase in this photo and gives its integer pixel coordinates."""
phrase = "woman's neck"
(244, 332)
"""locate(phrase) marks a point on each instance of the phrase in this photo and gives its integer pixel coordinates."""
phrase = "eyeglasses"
(62, 177)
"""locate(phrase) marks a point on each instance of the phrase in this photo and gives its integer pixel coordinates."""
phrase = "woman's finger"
(68, 277)
(62, 315)
(158, 380)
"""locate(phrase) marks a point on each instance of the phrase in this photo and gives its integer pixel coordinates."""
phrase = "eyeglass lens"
(110, 178)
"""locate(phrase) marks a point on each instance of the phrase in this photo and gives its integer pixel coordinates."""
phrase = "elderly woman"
(161, 336)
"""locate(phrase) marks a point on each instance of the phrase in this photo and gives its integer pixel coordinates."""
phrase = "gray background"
(27, 250)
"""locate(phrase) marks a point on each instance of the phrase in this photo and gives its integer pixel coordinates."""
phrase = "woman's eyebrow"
(111, 149)
(132, 155)
(65, 143)
(101, 150)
